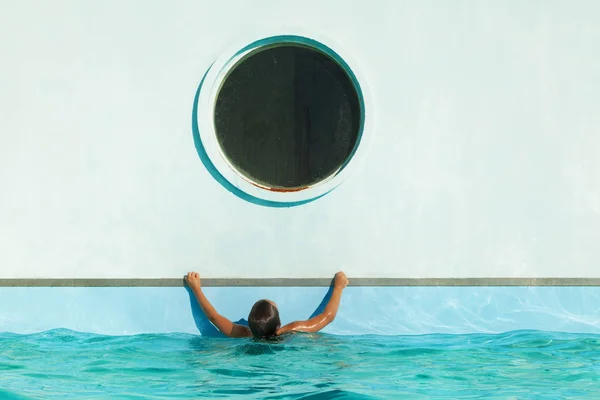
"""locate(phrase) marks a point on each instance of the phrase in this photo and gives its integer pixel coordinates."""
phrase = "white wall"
(484, 159)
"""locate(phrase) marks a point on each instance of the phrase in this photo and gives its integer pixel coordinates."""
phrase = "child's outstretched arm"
(227, 327)
(320, 321)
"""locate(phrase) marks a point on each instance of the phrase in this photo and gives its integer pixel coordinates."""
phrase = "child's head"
(264, 319)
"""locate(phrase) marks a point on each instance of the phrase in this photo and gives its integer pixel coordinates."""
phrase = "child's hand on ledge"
(340, 281)
(193, 280)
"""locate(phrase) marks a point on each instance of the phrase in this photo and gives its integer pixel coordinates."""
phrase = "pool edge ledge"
(294, 282)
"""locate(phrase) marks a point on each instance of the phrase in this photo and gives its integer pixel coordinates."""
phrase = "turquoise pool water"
(524, 364)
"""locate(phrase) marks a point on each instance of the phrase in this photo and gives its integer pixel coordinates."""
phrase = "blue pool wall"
(363, 310)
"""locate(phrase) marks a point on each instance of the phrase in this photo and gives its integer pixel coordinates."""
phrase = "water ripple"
(522, 364)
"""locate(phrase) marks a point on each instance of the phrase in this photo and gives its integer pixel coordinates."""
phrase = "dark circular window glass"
(287, 116)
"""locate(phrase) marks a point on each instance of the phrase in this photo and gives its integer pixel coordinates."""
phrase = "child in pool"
(263, 321)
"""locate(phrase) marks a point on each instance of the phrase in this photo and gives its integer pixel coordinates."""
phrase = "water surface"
(524, 364)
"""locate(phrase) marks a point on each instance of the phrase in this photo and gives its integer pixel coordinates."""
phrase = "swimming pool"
(521, 364)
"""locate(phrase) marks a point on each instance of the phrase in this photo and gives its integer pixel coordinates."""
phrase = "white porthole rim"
(218, 73)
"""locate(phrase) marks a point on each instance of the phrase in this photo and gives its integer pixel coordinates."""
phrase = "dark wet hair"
(263, 320)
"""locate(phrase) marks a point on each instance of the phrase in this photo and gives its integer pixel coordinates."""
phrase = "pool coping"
(293, 282)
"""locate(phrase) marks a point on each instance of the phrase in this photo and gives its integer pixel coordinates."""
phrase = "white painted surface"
(483, 160)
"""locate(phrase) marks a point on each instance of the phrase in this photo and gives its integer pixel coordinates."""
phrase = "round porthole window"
(281, 119)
